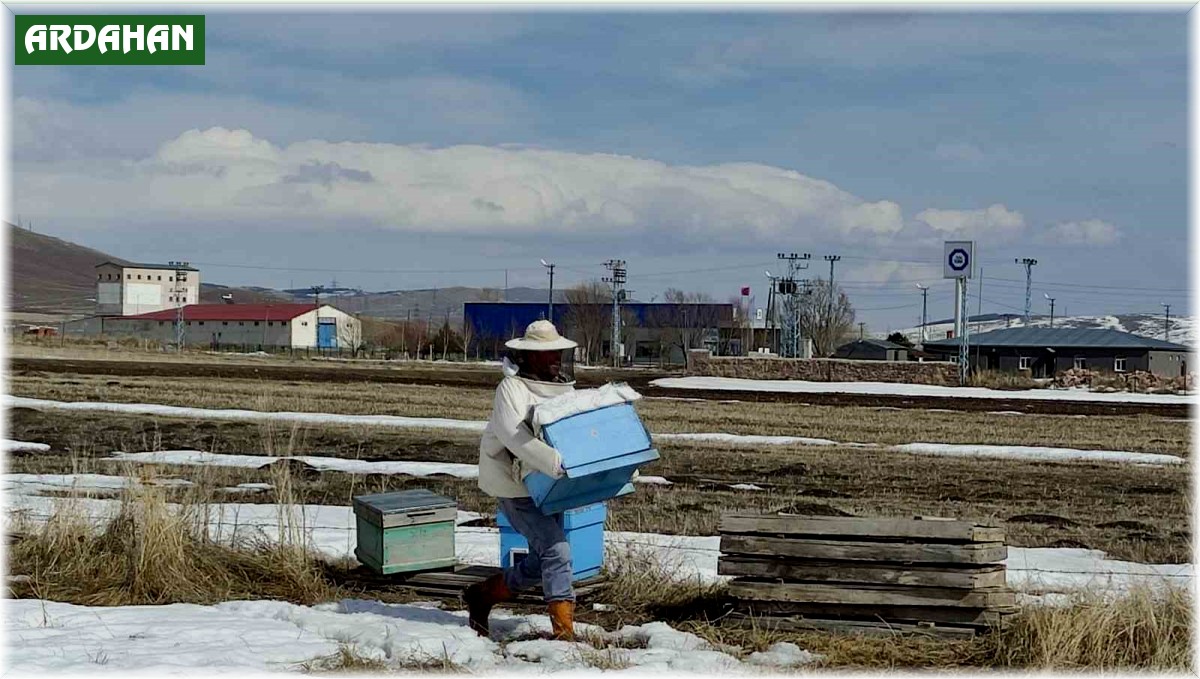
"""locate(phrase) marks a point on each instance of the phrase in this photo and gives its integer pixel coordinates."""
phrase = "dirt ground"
(35, 361)
(1132, 512)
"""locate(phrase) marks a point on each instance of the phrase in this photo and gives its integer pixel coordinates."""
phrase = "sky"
(406, 149)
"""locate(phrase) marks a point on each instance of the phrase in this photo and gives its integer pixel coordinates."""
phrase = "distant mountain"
(51, 275)
(1183, 328)
(58, 278)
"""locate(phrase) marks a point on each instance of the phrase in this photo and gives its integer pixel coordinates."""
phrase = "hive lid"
(403, 501)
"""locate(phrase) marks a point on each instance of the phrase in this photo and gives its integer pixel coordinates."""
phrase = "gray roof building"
(1045, 352)
(1061, 338)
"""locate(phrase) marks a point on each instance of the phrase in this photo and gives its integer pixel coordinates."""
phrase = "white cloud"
(887, 272)
(994, 223)
(220, 175)
(1088, 232)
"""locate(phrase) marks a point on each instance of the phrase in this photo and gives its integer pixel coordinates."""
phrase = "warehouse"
(1045, 352)
(652, 334)
(251, 326)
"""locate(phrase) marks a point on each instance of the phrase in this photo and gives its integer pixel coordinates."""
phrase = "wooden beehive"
(410, 530)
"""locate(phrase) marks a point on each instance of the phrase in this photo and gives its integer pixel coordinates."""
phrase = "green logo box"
(109, 40)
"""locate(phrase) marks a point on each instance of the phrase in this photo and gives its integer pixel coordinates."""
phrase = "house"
(258, 326)
(872, 350)
(1045, 352)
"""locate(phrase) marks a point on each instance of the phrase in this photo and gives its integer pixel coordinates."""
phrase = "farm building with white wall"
(132, 289)
(258, 326)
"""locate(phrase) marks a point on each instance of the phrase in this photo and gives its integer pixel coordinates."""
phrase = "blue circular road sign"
(959, 259)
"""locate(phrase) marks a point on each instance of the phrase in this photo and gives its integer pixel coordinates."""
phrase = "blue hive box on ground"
(601, 449)
(584, 527)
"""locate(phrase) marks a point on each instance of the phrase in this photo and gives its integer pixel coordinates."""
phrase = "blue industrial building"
(653, 333)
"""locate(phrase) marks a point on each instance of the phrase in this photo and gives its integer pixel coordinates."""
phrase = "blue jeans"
(549, 558)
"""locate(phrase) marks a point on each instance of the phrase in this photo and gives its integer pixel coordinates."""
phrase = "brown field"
(1132, 512)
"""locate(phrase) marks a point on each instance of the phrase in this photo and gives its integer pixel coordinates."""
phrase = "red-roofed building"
(259, 326)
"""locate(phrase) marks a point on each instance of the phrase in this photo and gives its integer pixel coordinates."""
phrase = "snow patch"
(245, 415)
(897, 389)
(783, 654)
(11, 446)
(747, 439)
(1036, 453)
(196, 457)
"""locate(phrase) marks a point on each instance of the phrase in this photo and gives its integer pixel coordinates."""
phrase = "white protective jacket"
(509, 450)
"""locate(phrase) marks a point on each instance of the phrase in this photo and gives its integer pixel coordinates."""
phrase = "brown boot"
(480, 598)
(562, 620)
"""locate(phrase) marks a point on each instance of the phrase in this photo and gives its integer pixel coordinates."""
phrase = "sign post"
(958, 262)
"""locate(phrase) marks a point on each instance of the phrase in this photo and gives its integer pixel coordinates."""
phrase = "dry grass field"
(1133, 512)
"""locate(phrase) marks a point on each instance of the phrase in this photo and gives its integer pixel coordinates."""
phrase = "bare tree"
(490, 295)
(694, 317)
(588, 318)
(446, 341)
(469, 338)
(350, 336)
(826, 331)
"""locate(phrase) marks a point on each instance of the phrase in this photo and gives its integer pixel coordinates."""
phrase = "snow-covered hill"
(1183, 329)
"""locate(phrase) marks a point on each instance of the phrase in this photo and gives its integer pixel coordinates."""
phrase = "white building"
(254, 326)
(132, 289)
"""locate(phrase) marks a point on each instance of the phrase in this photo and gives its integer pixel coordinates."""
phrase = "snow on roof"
(1090, 338)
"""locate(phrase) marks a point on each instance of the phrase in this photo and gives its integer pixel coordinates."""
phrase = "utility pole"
(1029, 263)
(407, 329)
(317, 289)
(924, 308)
(1047, 296)
(789, 286)
(829, 320)
(979, 302)
(617, 280)
(860, 330)
(964, 352)
(429, 324)
(769, 321)
(550, 302)
(1166, 322)
(180, 287)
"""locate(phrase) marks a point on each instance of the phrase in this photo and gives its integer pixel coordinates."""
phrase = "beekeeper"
(509, 450)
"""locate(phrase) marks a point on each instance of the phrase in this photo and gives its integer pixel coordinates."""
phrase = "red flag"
(745, 292)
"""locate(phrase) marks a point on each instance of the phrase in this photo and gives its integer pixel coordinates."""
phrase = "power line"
(1096, 287)
(703, 270)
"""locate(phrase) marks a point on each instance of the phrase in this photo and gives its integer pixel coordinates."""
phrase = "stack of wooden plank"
(865, 575)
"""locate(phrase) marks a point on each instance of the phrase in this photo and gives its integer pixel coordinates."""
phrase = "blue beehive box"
(584, 527)
(601, 449)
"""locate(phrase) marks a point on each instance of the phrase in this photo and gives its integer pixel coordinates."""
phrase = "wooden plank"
(974, 553)
(979, 617)
(850, 627)
(924, 528)
(871, 595)
(865, 573)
